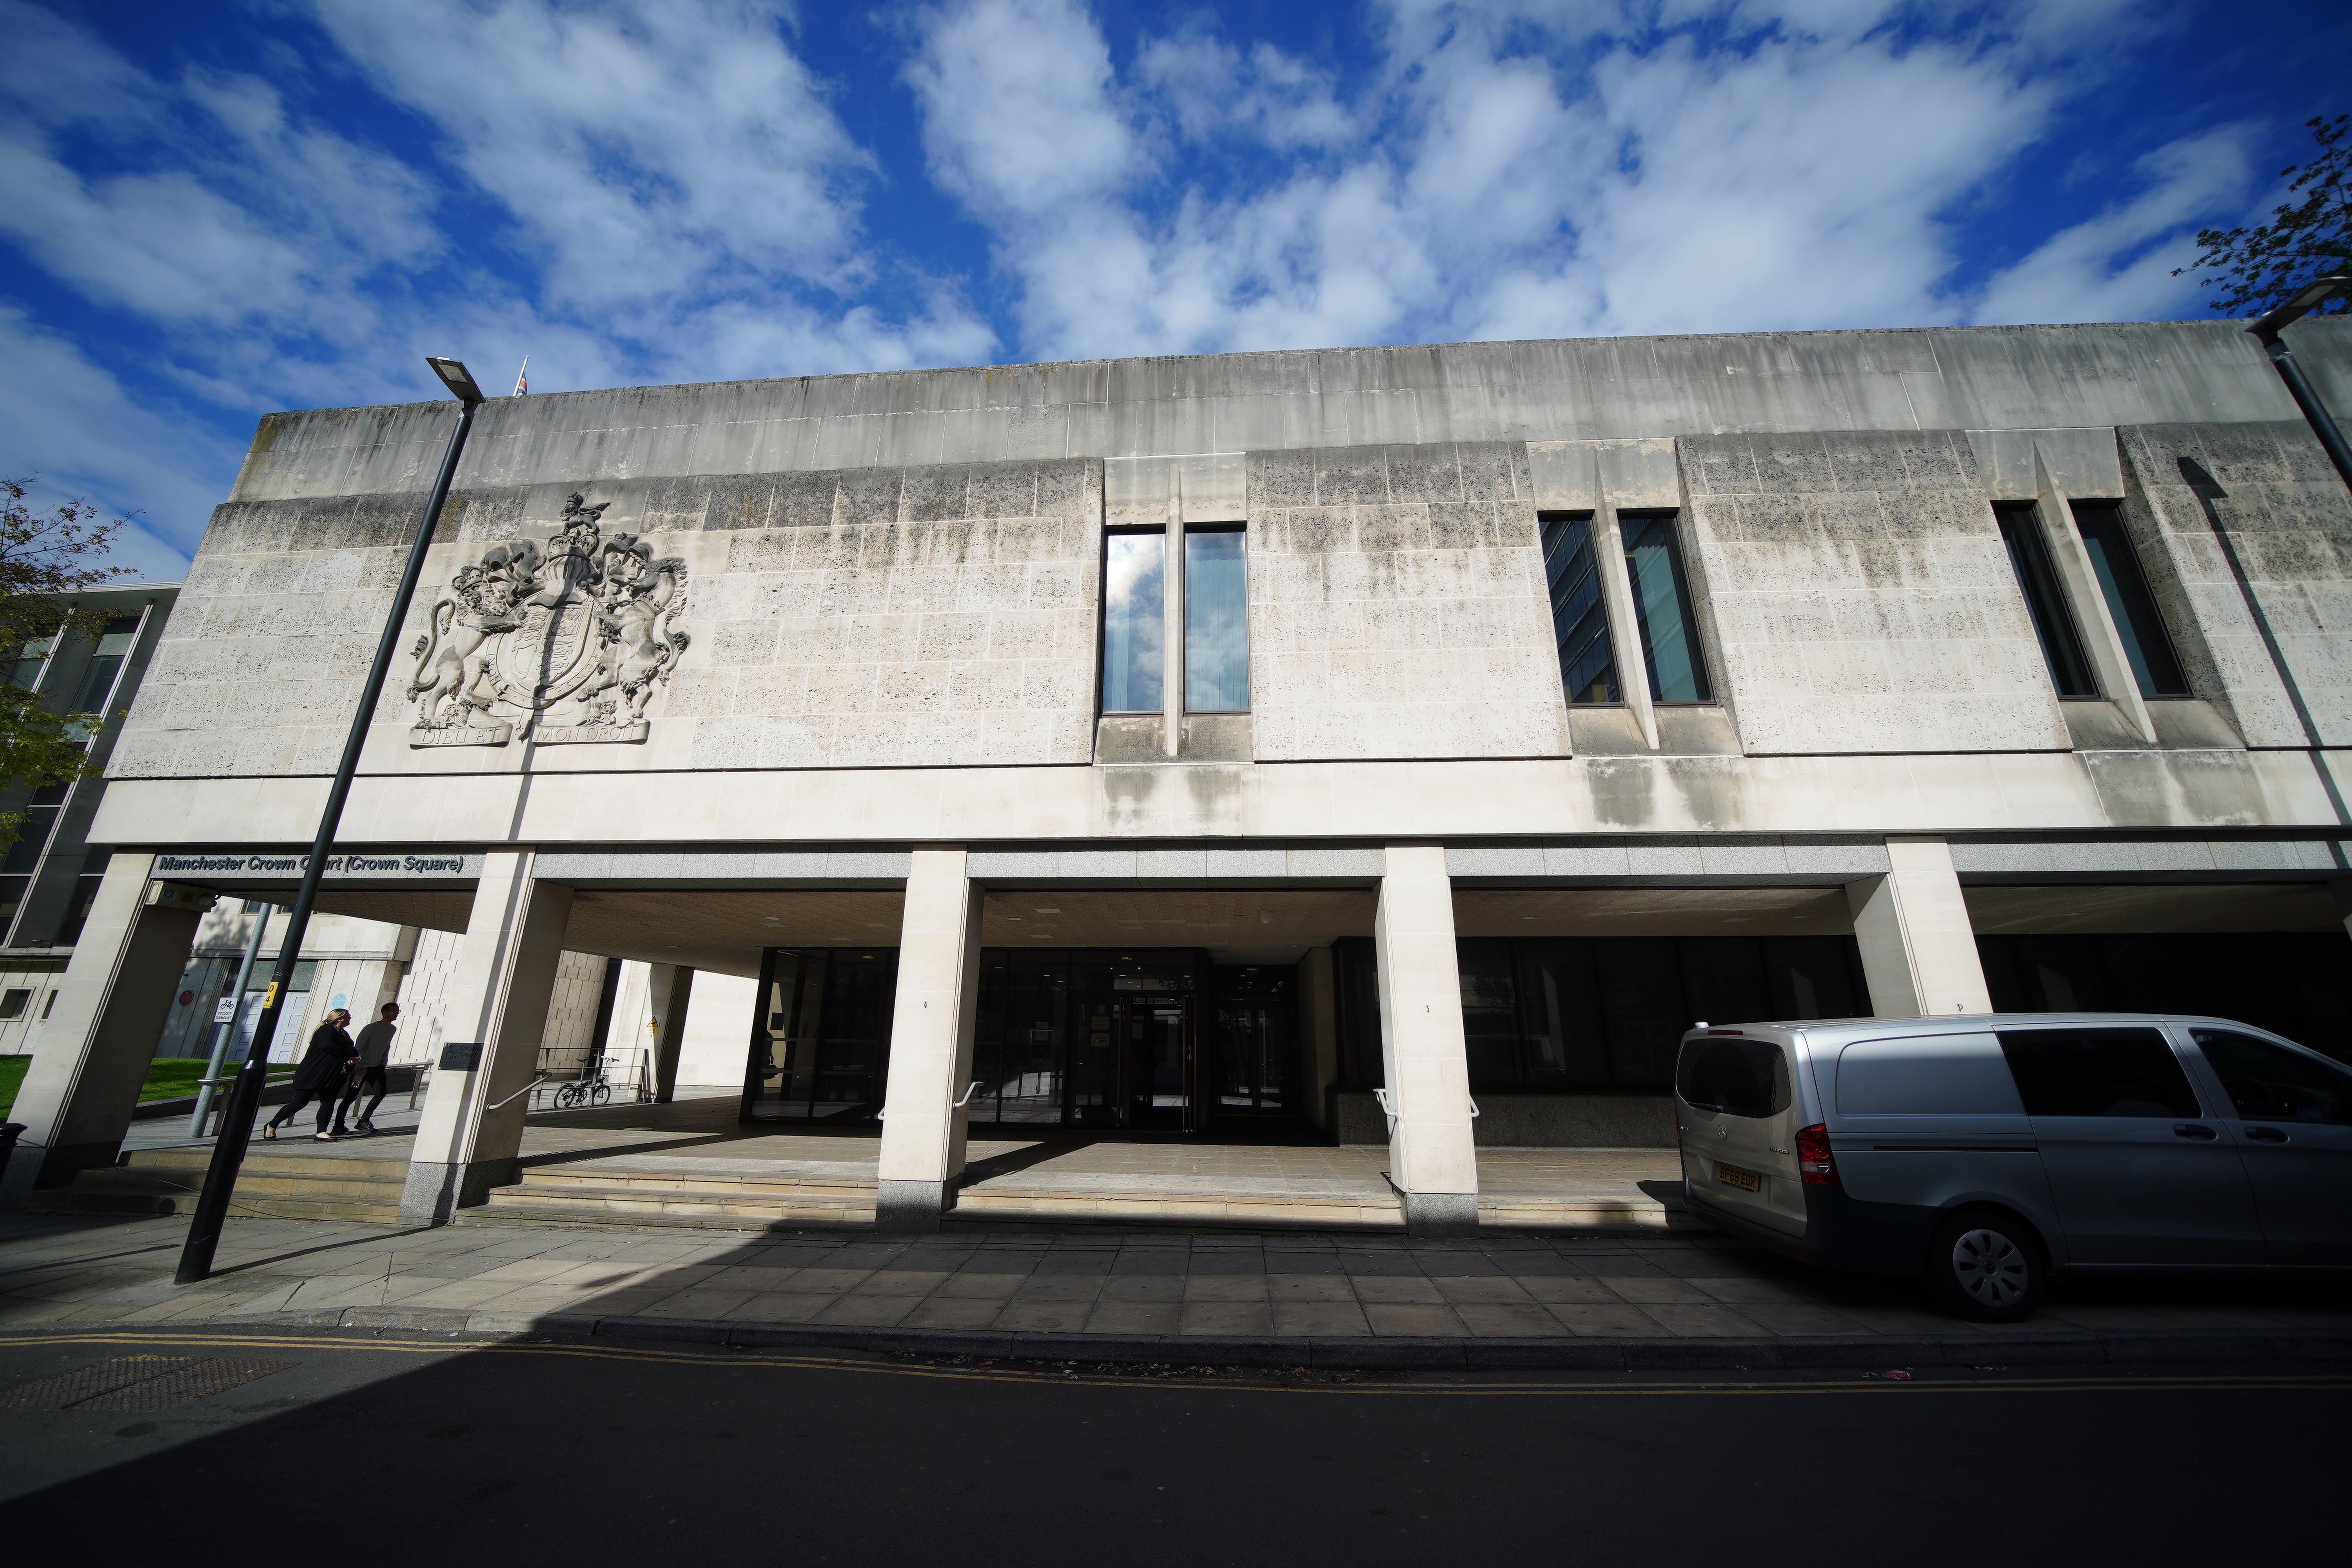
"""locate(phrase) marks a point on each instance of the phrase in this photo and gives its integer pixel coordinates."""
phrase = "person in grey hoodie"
(367, 1072)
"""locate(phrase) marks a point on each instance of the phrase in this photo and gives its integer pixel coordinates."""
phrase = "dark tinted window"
(2267, 1082)
(1587, 664)
(2097, 1072)
(2147, 644)
(1662, 610)
(1738, 1077)
(2045, 602)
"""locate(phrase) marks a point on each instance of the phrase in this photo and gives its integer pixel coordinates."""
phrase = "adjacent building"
(1402, 744)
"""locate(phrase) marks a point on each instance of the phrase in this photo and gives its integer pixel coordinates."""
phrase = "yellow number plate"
(1733, 1177)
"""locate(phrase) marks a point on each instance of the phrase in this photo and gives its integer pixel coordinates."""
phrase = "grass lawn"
(166, 1077)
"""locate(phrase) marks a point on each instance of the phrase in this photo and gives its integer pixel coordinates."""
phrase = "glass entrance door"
(1133, 1066)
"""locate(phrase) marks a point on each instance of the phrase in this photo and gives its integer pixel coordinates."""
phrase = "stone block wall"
(902, 617)
(268, 645)
(2284, 511)
(1859, 597)
(1398, 606)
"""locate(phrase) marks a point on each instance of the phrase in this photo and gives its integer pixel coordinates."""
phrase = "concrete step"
(78, 1199)
(625, 1202)
(1144, 1205)
(261, 1161)
(785, 1187)
(707, 1219)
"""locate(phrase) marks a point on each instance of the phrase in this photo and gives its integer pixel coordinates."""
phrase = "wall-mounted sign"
(461, 1056)
(407, 866)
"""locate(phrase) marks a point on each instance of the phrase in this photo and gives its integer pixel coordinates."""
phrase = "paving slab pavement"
(1106, 1294)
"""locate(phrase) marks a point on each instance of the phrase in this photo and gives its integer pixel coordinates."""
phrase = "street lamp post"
(245, 1094)
(2266, 328)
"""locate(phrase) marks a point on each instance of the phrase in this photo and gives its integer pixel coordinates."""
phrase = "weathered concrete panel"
(1398, 607)
(1860, 597)
(2198, 496)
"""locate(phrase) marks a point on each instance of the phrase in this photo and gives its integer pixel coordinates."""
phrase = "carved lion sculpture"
(453, 679)
(640, 596)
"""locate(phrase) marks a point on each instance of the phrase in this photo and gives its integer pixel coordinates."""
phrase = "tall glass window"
(1662, 606)
(2045, 602)
(1134, 621)
(2147, 644)
(113, 646)
(1216, 623)
(1580, 622)
(28, 664)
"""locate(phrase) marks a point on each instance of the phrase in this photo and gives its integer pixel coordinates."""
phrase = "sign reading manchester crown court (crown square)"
(401, 866)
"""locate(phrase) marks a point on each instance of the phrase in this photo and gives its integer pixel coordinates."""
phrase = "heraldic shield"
(571, 639)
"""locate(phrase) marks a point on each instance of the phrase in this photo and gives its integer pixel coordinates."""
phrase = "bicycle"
(586, 1090)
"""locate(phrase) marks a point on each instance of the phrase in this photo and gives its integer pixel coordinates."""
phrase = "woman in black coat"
(325, 1066)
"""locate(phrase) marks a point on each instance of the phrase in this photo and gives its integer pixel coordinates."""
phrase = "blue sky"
(211, 211)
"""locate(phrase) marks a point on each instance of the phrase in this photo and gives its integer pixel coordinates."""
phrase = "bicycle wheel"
(565, 1096)
(603, 1094)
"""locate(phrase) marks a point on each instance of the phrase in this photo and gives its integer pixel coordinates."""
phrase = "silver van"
(1986, 1151)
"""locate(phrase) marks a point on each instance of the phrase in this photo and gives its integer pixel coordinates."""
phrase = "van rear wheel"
(1986, 1267)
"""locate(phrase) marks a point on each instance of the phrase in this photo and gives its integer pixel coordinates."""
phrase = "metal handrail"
(518, 1094)
(968, 1093)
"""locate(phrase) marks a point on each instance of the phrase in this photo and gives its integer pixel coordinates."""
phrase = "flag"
(523, 383)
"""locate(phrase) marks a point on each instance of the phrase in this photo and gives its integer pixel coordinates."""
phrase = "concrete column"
(91, 1057)
(672, 987)
(1918, 950)
(931, 1030)
(1423, 1055)
(491, 1024)
(1319, 1022)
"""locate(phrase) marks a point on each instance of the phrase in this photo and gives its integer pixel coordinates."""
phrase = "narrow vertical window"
(1216, 623)
(27, 670)
(1662, 605)
(1134, 597)
(2147, 644)
(2045, 602)
(113, 646)
(1580, 621)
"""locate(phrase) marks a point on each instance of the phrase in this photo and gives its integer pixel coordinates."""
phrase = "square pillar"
(1424, 1054)
(1918, 950)
(492, 1025)
(1319, 1012)
(931, 1031)
(90, 1059)
(671, 988)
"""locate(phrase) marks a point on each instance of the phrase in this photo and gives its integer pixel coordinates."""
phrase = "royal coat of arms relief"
(570, 640)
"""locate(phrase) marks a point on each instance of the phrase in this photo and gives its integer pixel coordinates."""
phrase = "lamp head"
(2304, 301)
(457, 378)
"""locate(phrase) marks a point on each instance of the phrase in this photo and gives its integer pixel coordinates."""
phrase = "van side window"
(1925, 1075)
(2267, 1082)
(1735, 1077)
(2097, 1072)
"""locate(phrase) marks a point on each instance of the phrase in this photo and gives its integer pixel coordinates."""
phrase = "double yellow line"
(1597, 1385)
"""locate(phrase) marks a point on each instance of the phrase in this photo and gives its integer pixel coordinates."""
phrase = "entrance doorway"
(1133, 1066)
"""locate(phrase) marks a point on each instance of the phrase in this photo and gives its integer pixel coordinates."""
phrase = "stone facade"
(1397, 606)
(1861, 597)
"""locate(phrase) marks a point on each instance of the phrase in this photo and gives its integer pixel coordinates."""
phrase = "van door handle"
(2191, 1130)
(2265, 1134)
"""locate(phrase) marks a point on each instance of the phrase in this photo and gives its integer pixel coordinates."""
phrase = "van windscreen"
(1734, 1077)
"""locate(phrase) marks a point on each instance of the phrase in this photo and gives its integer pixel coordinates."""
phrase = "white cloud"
(1526, 168)
(648, 149)
(2118, 266)
(68, 423)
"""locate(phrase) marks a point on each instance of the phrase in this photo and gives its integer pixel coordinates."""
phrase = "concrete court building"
(1393, 745)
